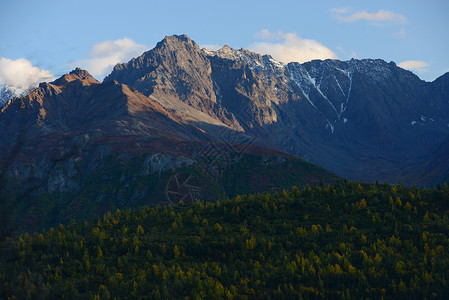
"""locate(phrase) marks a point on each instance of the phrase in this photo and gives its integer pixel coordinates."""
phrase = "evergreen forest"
(346, 240)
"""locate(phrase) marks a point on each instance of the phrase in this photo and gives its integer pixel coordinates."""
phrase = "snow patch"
(277, 63)
(297, 81)
(308, 99)
(7, 93)
(339, 86)
(255, 62)
(317, 87)
(330, 126)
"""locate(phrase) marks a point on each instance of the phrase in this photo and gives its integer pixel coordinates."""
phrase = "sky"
(42, 40)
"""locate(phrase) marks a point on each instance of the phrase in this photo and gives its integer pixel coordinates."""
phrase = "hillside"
(81, 188)
(339, 241)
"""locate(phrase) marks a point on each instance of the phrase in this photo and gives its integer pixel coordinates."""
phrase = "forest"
(346, 240)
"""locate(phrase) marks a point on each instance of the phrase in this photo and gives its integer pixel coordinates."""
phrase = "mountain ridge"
(369, 105)
(363, 119)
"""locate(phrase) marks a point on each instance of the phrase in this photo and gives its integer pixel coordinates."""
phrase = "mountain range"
(363, 119)
(178, 106)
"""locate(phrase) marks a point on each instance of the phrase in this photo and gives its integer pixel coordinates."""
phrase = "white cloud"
(105, 55)
(288, 47)
(343, 15)
(265, 34)
(20, 75)
(415, 65)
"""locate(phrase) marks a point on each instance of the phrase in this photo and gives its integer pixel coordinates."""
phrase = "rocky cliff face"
(378, 117)
(362, 119)
(175, 72)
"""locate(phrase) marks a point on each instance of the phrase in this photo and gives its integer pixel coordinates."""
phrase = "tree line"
(341, 241)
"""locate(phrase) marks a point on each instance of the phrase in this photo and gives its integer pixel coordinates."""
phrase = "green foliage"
(128, 182)
(340, 241)
(254, 173)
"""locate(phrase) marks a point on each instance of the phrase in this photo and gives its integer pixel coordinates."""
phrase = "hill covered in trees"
(131, 181)
(340, 241)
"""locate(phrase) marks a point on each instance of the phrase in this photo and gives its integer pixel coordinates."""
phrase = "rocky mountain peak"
(226, 49)
(226, 52)
(174, 53)
(177, 42)
(177, 70)
(78, 74)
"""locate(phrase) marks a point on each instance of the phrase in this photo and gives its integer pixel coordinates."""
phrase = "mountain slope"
(175, 70)
(363, 119)
(77, 103)
(76, 147)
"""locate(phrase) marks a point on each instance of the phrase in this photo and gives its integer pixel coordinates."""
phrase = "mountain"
(362, 119)
(77, 147)
(235, 120)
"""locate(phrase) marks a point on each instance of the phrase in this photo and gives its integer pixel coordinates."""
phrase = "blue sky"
(44, 39)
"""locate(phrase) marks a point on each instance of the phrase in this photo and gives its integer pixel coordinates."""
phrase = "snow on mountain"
(255, 61)
(7, 93)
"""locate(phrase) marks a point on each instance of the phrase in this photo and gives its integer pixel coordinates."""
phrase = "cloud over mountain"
(20, 75)
(105, 55)
(414, 65)
(288, 47)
